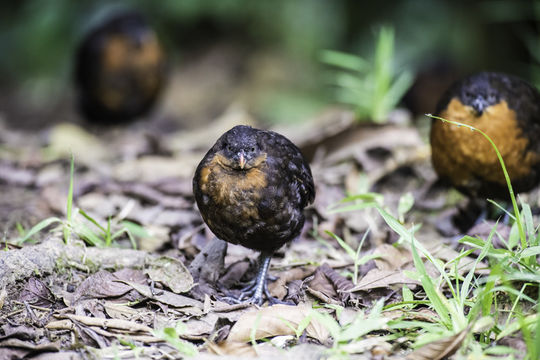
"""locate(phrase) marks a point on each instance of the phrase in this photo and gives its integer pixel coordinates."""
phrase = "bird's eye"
(229, 147)
(252, 149)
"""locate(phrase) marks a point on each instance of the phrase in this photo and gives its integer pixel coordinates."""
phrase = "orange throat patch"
(226, 185)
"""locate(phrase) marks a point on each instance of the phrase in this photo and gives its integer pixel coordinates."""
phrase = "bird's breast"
(459, 152)
(234, 191)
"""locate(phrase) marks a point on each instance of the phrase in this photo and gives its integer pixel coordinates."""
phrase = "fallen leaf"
(170, 272)
(235, 348)
(21, 332)
(376, 278)
(35, 292)
(202, 325)
(206, 268)
(322, 284)
(183, 303)
(439, 349)
(391, 257)
(102, 284)
(341, 284)
(273, 321)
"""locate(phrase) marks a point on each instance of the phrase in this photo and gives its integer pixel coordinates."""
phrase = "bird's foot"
(250, 295)
(254, 291)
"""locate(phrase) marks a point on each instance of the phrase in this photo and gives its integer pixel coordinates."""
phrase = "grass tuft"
(373, 88)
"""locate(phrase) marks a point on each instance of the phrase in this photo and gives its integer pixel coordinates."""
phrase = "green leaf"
(517, 325)
(406, 202)
(407, 294)
(344, 60)
(172, 336)
(530, 251)
(136, 229)
(343, 244)
(92, 220)
(38, 227)
(436, 298)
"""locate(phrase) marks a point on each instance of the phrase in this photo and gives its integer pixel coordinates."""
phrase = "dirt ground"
(72, 300)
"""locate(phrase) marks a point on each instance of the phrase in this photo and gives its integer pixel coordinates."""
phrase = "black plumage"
(251, 188)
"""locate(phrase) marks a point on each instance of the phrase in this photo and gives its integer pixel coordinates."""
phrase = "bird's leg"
(260, 284)
(253, 293)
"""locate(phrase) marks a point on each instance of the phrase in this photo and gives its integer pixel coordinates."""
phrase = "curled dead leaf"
(170, 272)
(440, 349)
(376, 278)
(276, 320)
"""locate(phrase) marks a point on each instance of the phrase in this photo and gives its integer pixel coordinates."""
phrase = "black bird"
(507, 109)
(120, 69)
(251, 188)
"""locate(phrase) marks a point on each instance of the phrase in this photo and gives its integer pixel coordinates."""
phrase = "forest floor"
(129, 270)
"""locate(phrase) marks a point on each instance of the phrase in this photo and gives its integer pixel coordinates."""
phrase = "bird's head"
(479, 93)
(240, 150)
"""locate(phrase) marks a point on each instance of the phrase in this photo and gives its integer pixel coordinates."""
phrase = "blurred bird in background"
(120, 69)
(507, 109)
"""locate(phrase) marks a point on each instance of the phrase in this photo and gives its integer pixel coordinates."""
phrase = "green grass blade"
(92, 220)
(344, 60)
(37, 228)
(343, 244)
(432, 293)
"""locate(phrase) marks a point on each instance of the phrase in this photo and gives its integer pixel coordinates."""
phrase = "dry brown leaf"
(120, 311)
(206, 268)
(279, 287)
(110, 323)
(170, 272)
(37, 293)
(202, 325)
(439, 349)
(376, 278)
(232, 348)
(322, 284)
(340, 283)
(104, 284)
(183, 303)
(322, 297)
(392, 257)
(270, 321)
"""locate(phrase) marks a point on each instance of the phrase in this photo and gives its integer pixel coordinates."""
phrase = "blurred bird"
(119, 69)
(251, 188)
(507, 109)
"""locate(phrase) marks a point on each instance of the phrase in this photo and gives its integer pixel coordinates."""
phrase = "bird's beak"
(479, 105)
(242, 161)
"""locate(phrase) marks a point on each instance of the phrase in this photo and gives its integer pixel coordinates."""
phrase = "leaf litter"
(116, 300)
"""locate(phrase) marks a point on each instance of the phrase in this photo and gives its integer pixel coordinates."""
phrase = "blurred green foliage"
(38, 38)
(372, 86)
